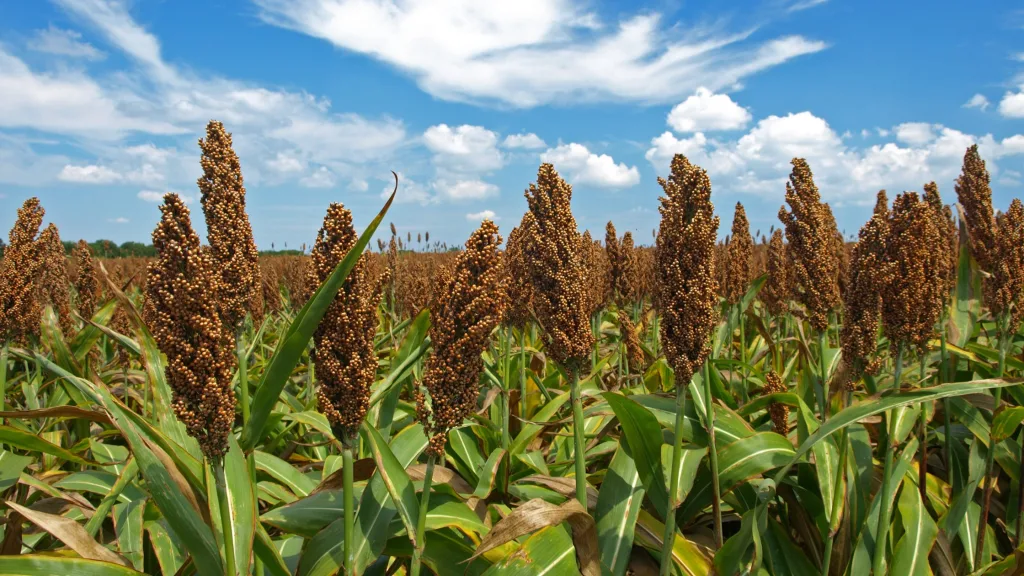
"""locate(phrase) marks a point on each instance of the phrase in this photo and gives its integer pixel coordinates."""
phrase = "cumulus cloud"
(1012, 104)
(465, 189)
(60, 42)
(914, 133)
(705, 111)
(528, 141)
(481, 216)
(585, 167)
(978, 101)
(284, 163)
(158, 197)
(90, 174)
(322, 177)
(464, 148)
(409, 192)
(534, 52)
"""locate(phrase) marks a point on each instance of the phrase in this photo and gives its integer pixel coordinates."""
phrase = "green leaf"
(530, 431)
(643, 442)
(965, 308)
(549, 551)
(284, 473)
(397, 482)
(128, 518)
(443, 553)
(618, 506)
(167, 547)
(1005, 423)
(11, 466)
(89, 335)
(488, 474)
(911, 552)
(241, 504)
(33, 443)
(294, 341)
(266, 550)
(309, 515)
(34, 565)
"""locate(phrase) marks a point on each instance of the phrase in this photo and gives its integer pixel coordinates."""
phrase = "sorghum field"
(538, 402)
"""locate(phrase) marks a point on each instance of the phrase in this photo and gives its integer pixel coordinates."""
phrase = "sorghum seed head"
(20, 273)
(862, 300)
(975, 195)
(467, 308)
(741, 247)
(517, 283)
(775, 293)
(54, 280)
(86, 285)
(810, 230)
(944, 223)
(343, 351)
(558, 269)
(227, 229)
(685, 254)
(182, 310)
(778, 412)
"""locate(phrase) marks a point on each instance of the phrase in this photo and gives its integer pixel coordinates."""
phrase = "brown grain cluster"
(975, 195)
(227, 229)
(558, 270)
(517, 283)
(1006, 285)
(20, 272)
(911, 282)
(779, 412)
(685, 267)
(271, 286)
(343, 352)
(862, 301)
(810, 230)
(634, 351)
(182, 311)
(53, 282)
(942, 215)
(623, 265)
(86, 285)
(599, 280)
(775, 293)
(740, 250)
(469, 305)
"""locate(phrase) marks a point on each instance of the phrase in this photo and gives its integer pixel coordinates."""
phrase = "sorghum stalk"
(923, 465)
(506, 387)
(677, 456)
(421, 520)
(837, 497)
(225, 516)
(882, 531)
(348, 476)
(716, 504)
(1004, 339)
(579, 453)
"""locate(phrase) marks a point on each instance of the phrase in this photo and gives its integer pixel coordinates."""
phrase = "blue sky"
(102, 101)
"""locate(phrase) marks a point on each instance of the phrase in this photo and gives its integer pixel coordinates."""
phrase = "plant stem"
(227, 528)
(883, 505)
(990, 456)
(743, 353)
(522, 373)
(3, 380)
(243, 379)
(922, 467)
(947, 424)
(823, 376)
(350, 513)
(838, 495)
(709, 406)
(677, 454)
(421, 520)
(506, 387)
(578, 431)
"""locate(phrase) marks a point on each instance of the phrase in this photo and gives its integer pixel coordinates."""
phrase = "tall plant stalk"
(922, 468)
(225, 516)
(709, 406)
(350, 514)
(579, 452)
(522, 372)
(1004, 338)
(882, 531)
(673, 503)
(743, 353)
(506, 387)
(421, 520)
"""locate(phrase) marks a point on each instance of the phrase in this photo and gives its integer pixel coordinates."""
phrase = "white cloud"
(464, 148)
(977, 101)
(158, 197)
(118, 220)
(90, 174)
(322, 177)
(781, 138)
(359, 185)
(465, 189)
(528, 141)
(533, 52)
(285, 163)
(705, 111)
(799, 5)
(914, 133)
(1012, 105)
(882, 132)
(482, 215)
(60, 42)
(864, 133)
(585, 167)
(409, 192)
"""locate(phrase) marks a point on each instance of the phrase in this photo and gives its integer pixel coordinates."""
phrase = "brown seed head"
(810, 230)
(20, 274)
(778, 412)
(558, 270)
(685, 267)
(862, 301)
(182, 310)
(775, 293)
(343, 351)
(944, 223)
(599, 282)
(86, 285)
(227, 229)
(975, 195)
(271, 287)
(517, 283)
(54, 281)
(634, 351)
(1005, 288)
(467, 308)
(741, 247)
(912, 293)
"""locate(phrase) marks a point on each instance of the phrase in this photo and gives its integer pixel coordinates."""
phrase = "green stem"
(131, 469)
(947, 423)
(577, 433)
(243, 379)
(225, 517)
(3, 380)
(883, 505)
(1004, 338)
(743, 353)
(922, 467)
(838, 495)
(350, 513)
(677, 456)
(522, 372)
(421, 520)
(506, 388)
(823, 376)
(709, 407)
